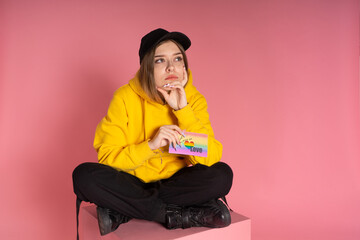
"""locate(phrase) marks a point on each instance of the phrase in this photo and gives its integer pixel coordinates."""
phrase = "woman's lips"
(171, 77)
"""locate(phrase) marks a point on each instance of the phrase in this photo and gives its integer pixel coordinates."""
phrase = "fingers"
(175, 85)
(171, 139)
(171, 85)
(174, 94)
(177, 129)
(172, 90)
(164, 93)
(171, 133)
(167, 134)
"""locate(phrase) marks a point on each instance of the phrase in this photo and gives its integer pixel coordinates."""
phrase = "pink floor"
(141, 229)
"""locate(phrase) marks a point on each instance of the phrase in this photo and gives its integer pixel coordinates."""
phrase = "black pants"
(126, 194)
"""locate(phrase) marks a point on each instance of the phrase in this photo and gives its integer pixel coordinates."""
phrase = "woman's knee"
(81, 174)
(224, 169)
(224, 177)
(86, 173)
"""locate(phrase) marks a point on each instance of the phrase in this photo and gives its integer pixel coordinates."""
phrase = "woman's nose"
(170, 67)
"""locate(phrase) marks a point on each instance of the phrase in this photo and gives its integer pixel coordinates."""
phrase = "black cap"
(156, 36)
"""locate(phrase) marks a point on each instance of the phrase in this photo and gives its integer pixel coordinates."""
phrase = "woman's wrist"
(180, 107)
(151, 145)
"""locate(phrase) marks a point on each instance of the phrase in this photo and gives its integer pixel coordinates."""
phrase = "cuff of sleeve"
(185, 116)
(143, 151)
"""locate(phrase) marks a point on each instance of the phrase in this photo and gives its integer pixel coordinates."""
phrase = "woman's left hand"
(174, 93)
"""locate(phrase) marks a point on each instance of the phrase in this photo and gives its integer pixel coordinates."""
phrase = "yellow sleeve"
(111, 140)
(195, 118)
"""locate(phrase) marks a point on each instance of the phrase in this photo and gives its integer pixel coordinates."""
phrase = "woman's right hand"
(166, 135)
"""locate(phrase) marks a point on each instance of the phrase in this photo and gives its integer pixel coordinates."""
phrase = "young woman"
(136, 176)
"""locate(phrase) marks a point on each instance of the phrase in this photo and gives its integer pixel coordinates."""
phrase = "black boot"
(109, 220)
(213, 214)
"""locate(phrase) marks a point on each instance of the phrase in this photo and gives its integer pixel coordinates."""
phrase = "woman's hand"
(174, 93)
(166, 135)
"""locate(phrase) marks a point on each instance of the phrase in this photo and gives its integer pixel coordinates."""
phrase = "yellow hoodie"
(121, 138)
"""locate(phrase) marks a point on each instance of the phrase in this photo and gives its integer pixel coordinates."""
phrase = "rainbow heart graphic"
(188, 144)
(195, 144)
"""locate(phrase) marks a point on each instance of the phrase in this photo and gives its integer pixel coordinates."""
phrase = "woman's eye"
(178, 59)
(159, 60)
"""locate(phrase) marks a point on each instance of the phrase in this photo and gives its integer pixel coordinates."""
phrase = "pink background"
(281, 78)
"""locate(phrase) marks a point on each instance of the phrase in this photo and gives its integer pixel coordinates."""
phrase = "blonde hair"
(146, 73)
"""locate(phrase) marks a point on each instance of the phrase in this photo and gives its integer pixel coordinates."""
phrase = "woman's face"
(169, 64)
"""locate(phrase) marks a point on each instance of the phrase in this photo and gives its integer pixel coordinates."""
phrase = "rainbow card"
(195, 144)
